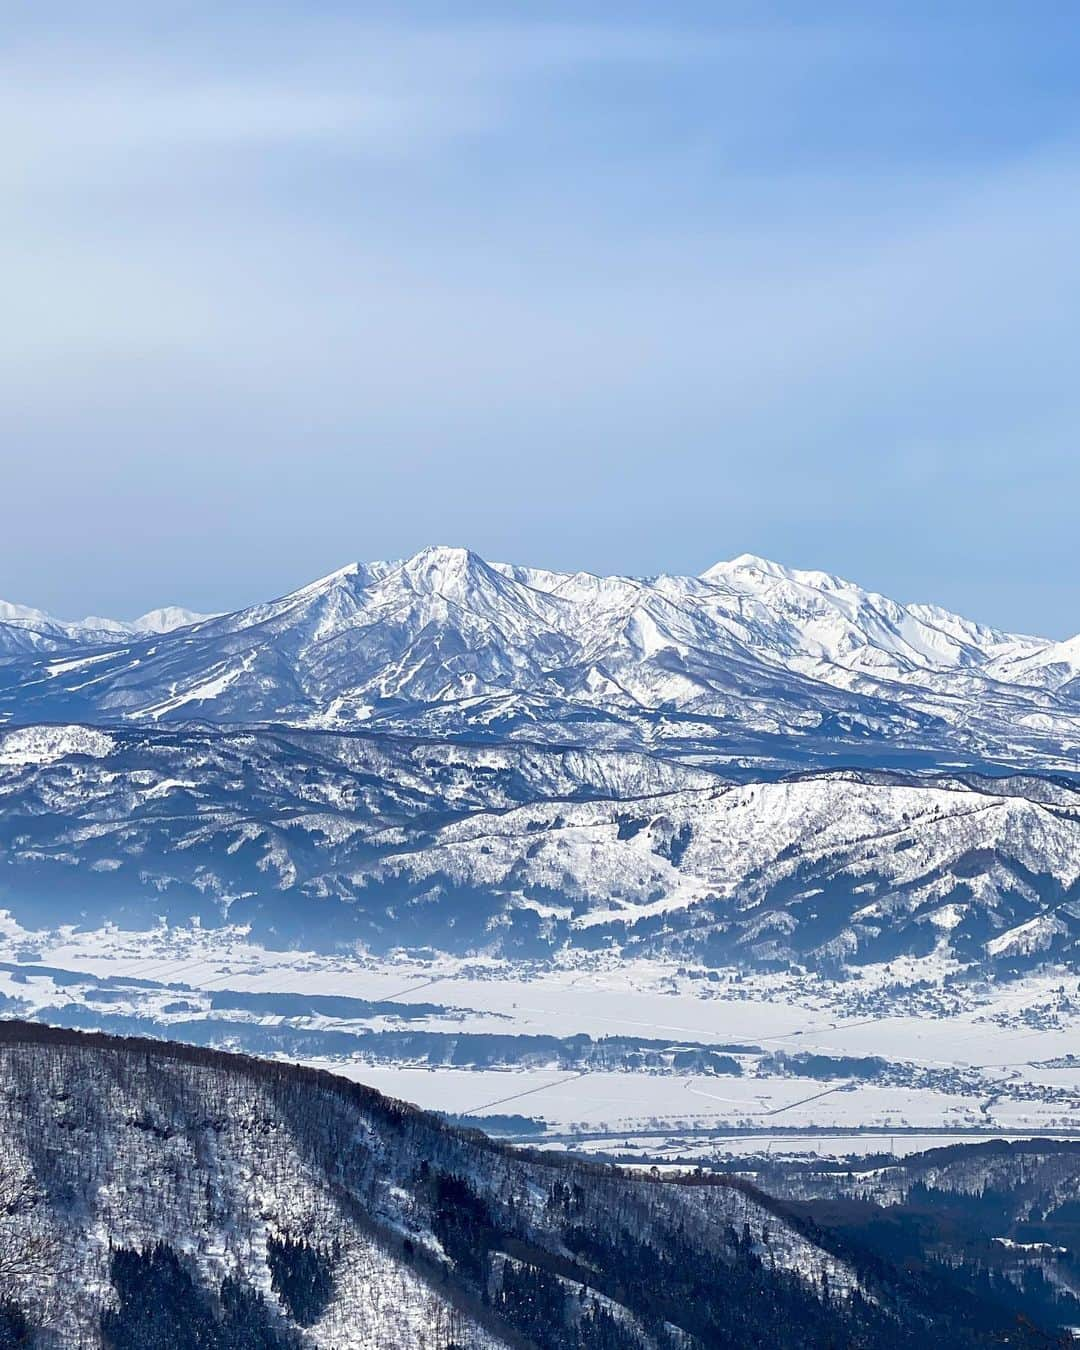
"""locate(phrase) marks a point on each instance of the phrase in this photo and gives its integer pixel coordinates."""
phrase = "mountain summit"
(727, 664)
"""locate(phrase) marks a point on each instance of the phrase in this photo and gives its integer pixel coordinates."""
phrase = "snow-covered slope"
(1055, 665)
(328, 839)
(749, 661)
(24, 630)
(821, 619)
(168, 1197)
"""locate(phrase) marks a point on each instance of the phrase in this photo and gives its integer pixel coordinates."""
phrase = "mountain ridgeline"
(749, 659)
(757, 766)
(165, 1197)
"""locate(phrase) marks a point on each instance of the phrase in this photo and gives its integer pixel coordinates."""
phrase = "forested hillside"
(167, 1196)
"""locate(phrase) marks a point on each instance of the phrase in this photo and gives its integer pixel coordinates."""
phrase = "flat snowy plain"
(989, 1060)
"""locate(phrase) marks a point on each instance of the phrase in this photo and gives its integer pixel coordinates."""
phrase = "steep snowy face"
(750, 661)
(441, 626)
(1055, 665)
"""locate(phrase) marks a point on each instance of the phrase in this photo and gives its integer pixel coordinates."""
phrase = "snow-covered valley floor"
(887, 1061)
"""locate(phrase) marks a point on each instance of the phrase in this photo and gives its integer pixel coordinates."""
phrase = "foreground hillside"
(163, 1196)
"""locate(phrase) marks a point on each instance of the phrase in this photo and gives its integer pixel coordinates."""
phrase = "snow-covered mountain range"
(320, 839)
(756, 764)
(749, 661)
(24, 630)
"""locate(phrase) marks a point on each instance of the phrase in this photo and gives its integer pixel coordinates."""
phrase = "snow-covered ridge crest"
(446, 643)
(24, 629)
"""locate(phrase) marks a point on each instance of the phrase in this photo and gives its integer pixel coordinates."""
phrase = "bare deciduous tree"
(28, 1252)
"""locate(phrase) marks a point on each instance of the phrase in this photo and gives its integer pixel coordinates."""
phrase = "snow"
(1026, 938)
(1051, 665)
(45, 745)
(202, 692)
(95, 629)
(749, 645)
(167, 619)
(55, 668)
(1038, 1248)
(973, 1066)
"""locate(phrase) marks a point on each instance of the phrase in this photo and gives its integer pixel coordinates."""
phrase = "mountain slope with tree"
(163, 1197)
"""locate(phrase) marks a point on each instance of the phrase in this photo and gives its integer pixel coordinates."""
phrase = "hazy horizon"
(621, 291)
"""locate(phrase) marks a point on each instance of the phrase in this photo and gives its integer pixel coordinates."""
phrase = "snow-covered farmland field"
(974, 1059)
(627, 1102)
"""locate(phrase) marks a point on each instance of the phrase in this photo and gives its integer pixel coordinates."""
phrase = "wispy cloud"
(371, 86)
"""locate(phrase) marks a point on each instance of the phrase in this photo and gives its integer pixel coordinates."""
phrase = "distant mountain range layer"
(24, 630)
(756, 765)
(318, 839)
(750, 662)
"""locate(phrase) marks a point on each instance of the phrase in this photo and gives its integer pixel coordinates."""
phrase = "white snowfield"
(956, 1063)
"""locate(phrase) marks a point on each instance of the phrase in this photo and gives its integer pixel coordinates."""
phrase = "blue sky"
(624, 287)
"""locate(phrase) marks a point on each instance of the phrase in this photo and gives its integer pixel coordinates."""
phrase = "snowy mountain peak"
(451, 571)
(750, 565)
(12, 613)
(449, 556)
(164, 620)
(745, 562)
(167, 619)
(98, 623)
